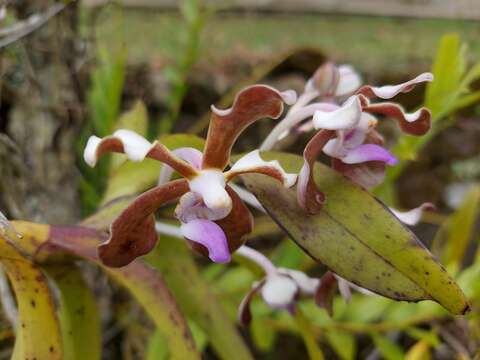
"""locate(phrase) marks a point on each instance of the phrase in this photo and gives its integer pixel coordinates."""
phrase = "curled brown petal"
(326, 292)
(244, 313)
(310, 198)
(236, 225)
(251, 104)
(416, 123)
(133, 233)
(136, 148)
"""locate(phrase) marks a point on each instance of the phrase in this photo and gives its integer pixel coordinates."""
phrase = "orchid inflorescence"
(213, 216)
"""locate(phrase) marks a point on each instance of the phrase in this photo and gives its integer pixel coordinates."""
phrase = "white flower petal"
(389, 91)
(279, 291)
(253, 163)
(349, 80)
(413, 216)
(289, 97)
(345, 117)
(210, 185)
(136, 147)
(90, 152)
(307, 285)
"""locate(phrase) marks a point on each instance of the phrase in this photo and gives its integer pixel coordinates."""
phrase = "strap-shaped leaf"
(50, 244)
(78, 314)
(38, 331)
(357, 237)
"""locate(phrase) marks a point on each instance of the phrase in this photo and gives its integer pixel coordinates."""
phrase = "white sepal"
(345, 117)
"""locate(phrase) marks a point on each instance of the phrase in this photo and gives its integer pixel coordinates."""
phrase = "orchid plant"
(324, 210)
(213, 216)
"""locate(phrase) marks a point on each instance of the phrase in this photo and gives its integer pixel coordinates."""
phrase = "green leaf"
(196, 299)
(388, 349)
(78, 315)
(357, 237)
(429, 336)
(263, 334)
(455, 234)
(343, 343)
(448, 69)
(157, 347)
(105, 93)
(120, 182)
(36, 310)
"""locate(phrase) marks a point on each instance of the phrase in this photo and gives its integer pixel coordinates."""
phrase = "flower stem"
(258, 258)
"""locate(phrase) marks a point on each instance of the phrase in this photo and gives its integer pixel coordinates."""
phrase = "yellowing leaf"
(419, 351)
(358, 238)
(50, 244)
(38, 331)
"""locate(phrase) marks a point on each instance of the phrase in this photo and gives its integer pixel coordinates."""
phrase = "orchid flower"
(213, 217)
(329, 84)
(347, 134)
(280, 288)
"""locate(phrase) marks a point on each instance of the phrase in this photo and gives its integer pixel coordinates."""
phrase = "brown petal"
(161, 153)
(367, 174)
(417, 123)
(133, 233)
(326, 292)
(309, 196)
(244, 313)
(251, 104)
(236, 225)
(119, 143)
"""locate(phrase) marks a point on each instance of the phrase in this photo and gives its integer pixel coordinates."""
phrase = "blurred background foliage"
(93, 70)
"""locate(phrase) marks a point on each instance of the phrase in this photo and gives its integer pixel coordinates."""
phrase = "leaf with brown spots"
(357, 237)
(36, 309)
(51, 244)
